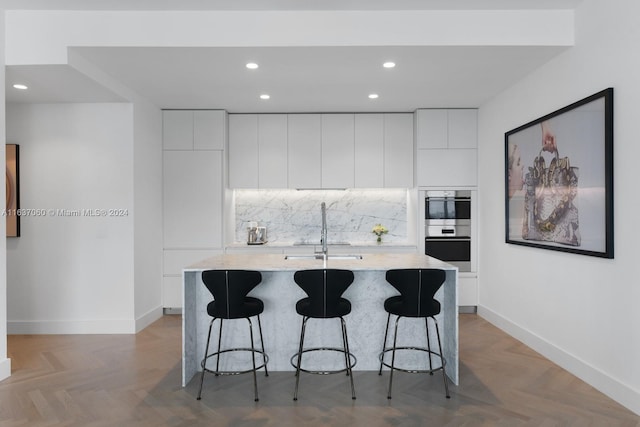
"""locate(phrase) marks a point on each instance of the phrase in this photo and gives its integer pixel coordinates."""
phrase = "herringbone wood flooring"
(134, 380)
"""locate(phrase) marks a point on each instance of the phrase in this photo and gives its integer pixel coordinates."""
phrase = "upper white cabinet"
(437, 129)
(193, 129)
(340, 150)
(337, 151)
(305, 150)
(258, 150)
(398, 150)
(272, 146)
(446, 143)
(243, 151)
(369, 150)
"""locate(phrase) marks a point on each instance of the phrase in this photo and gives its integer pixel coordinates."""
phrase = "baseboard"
(616, 390)
(5, 369)
(51, 327)
(148, 318)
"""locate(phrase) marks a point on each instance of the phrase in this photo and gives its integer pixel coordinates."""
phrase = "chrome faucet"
(323, 236)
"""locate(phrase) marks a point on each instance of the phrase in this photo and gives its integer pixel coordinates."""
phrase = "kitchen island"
(281, 324)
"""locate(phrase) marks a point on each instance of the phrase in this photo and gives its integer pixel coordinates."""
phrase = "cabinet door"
(172, 292)
(463, 128)
(177, 130)
(209, 129)
(431, 128)
(467, 291)
(304, 150)
(272, 146)
(398, 150)
(192, 199)
(337, 151)
(243, 151)
(369, 151)
(447, 168)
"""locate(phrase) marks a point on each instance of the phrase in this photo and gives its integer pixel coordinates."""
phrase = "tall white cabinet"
(446, 150)
(193, 191)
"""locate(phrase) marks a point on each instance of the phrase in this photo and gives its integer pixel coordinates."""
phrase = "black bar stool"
(229, 289)
(324, 288)
(417, 288)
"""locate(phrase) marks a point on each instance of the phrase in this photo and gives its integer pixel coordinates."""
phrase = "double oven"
(448, 227)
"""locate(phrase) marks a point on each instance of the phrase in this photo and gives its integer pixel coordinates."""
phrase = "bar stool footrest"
(263, 361)
(413, 371)
(352, 361)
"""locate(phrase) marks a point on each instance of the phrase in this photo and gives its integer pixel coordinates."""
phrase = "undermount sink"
(320, 256)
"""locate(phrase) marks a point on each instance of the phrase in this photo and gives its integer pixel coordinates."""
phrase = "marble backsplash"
(294, 216)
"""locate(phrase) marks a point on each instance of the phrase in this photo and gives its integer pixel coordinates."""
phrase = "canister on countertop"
(256, 235)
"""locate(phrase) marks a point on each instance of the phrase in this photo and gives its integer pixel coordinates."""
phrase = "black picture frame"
(12, 192)
(559, 179)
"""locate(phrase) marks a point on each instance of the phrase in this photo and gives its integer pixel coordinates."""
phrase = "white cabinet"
(272, 146)
(398, 150)
(467, 291)
(243, 150)
(305, 150)
(432, 129)
(337, 160)
(258, 151)
(447, 168)
(189, 130)
(192, 199)
(462, 127)
(369, 151)
(193, 184)
(321, 150)
(446, 142)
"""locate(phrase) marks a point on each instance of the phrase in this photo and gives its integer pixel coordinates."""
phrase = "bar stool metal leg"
(204, 360)
(444, 375)
(253, 361)
(264, 354)
(384, 344)
(426, 324)
(219, 342)
(393, 356)
(304, 325)
(347, 361)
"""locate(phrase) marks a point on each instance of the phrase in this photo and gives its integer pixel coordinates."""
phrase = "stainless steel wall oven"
(448, 227)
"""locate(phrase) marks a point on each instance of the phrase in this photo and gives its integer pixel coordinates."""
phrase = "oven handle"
(447, 239)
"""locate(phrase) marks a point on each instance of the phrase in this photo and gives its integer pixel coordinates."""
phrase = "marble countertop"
(277, 262)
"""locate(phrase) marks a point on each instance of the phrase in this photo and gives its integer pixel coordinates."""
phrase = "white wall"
(5, 363)
(147, 202)
(73, 274)
(579, 311)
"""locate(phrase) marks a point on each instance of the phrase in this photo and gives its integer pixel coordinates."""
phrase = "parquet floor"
(134, 380)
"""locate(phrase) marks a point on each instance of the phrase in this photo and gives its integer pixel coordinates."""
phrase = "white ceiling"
(309, 79)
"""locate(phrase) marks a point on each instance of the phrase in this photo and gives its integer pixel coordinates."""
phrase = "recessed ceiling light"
(20, 86)
(389, 64)
(252, 65)
(264, 96)
(373, 95)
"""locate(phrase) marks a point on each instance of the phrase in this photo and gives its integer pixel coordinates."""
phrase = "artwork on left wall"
(13, 190)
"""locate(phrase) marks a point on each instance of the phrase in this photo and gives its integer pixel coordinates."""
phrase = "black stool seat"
(250, 307)
(229, 289)
(307, 307)
(395, 305)
(417, 289)
(324, 288)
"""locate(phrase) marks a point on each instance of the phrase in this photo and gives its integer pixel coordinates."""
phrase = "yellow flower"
(379, 230)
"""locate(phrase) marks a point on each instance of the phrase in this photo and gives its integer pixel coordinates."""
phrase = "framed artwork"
(12, 190)
(559, 179)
